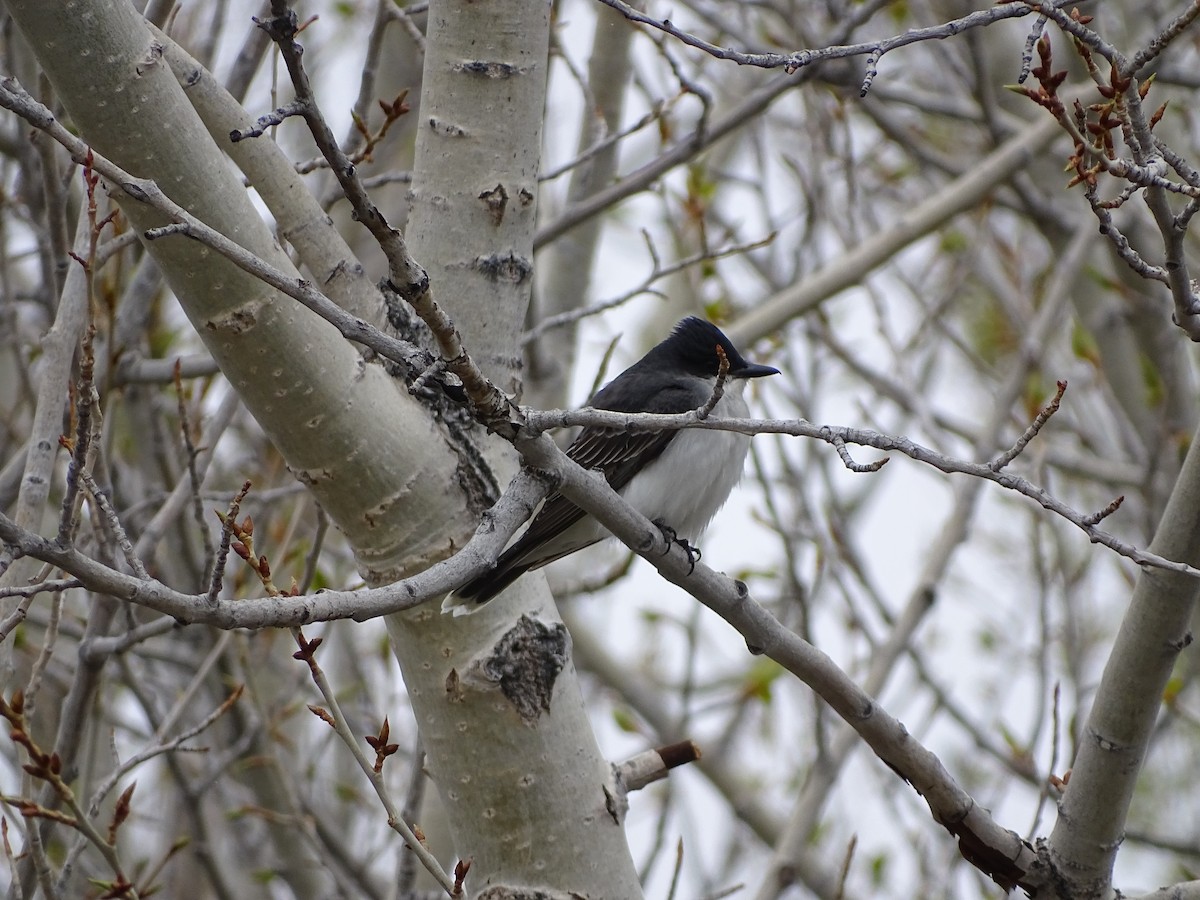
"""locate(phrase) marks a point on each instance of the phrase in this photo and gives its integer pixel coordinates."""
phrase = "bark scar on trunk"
(526, 662)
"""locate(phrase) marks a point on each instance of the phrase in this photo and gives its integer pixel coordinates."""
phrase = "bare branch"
(791, 62)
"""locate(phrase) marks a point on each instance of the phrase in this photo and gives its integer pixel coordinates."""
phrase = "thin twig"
(658, 271)
(228, 523)
(190, 454)
(332, 715)
(158, 748)
(113, 523)
(839, 444)
(718, 390)
(314, 554)
(656, 112)
(417, 779)
(1031, 432)
(32, 590)
(1152, 50)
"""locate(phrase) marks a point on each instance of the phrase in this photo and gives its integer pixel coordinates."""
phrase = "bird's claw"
(670, 536)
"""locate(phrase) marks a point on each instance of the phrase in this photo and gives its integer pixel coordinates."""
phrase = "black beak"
(752, 370)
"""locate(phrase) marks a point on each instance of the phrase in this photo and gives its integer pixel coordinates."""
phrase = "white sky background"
(908, 503)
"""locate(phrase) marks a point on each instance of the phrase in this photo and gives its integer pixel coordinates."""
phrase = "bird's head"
(693, 345)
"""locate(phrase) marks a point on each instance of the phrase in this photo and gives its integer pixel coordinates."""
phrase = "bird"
(678, 479)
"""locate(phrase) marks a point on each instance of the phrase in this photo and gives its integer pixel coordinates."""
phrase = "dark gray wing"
(619, 455)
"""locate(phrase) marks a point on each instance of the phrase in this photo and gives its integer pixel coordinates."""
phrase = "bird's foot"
(670, 536)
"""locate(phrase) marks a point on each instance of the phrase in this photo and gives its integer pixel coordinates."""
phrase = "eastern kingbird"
(677, 479)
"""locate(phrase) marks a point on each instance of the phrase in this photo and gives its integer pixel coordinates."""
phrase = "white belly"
(686, 486)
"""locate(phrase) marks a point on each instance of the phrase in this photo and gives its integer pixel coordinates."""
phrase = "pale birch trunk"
(509, 745)
(526, 787)
(370, 454)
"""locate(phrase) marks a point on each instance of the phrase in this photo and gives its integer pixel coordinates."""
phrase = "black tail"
(486, 586)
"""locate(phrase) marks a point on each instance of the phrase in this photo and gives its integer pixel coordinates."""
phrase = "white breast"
(686, 486)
